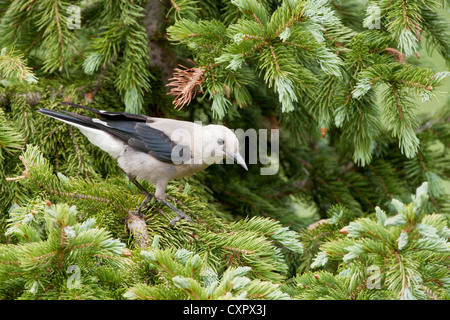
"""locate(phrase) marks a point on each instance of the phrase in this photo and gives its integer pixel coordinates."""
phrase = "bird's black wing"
(142, 137)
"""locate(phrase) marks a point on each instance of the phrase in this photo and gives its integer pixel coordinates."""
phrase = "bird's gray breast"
(145, 167)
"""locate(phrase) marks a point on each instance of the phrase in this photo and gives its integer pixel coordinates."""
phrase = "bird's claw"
(147, 199)
(149, 196)
(180, 215)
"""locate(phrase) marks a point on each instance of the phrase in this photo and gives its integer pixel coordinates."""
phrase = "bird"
(154, 149)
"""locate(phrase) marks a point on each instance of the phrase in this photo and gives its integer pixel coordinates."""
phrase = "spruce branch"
(124, 36)
(51, 241)
(51, 19)
(10, 138)
(402, 245)
(60, 36)
(188, 276)
(184, 9)
(12, 65)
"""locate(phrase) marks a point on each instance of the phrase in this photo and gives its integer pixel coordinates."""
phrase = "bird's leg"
(148, 195)
(180, 214)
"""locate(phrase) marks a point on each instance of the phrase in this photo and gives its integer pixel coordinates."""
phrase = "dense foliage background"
(358, 208)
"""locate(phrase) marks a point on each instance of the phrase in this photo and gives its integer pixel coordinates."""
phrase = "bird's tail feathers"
(74, 119)
(113, 115)
(82, 107)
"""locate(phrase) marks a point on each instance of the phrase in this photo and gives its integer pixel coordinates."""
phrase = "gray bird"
(154, 149)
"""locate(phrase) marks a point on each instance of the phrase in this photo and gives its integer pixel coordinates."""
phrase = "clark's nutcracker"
(154, 149)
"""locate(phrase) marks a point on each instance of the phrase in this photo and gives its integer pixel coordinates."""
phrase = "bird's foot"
(180, 214)
(148, 197)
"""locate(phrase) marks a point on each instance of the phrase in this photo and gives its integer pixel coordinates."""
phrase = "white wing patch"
(101, 122)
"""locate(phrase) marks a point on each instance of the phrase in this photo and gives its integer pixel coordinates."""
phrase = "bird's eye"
(220, 141)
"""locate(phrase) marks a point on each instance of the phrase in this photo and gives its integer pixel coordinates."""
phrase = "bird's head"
(219, 142)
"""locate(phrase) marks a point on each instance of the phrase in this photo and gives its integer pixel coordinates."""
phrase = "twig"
(275, 58)
(25, 173)
(61, 41)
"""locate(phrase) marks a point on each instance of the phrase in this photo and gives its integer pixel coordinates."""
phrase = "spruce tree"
(342, 81)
